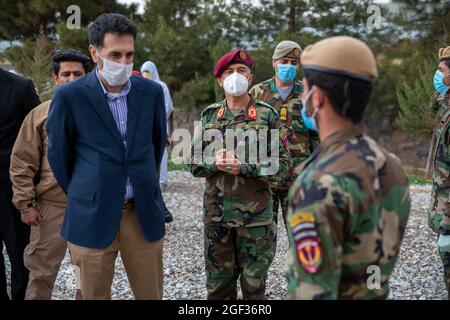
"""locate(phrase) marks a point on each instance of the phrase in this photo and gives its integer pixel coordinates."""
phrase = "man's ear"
(318, 97)
(93, 53)
(220, 82)
(250, 79)
(274, 64)
(55, 79)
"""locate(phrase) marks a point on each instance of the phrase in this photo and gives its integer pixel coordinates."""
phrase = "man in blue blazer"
(107, 133)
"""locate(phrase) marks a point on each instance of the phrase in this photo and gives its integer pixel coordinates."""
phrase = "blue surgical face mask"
(439, 83)
(286, 72)
(310, 122)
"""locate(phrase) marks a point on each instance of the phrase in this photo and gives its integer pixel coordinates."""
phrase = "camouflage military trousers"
(233, 253)
(434, 221)
(280, 197)
(445, 257)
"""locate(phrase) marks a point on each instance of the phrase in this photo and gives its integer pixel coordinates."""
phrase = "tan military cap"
(287, 49)
(342, 56)
(444, 53)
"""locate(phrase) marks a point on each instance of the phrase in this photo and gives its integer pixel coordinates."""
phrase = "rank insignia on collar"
(252, 112)
(307, 241)
(283, 113)
(220, 113)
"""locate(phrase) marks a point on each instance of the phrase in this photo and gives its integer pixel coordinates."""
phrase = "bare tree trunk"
(430, 154)
(292, 27)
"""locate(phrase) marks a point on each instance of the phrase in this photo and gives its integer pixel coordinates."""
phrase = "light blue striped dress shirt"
(118, 105)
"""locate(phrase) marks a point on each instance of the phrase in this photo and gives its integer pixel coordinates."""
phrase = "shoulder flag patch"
(220, 113)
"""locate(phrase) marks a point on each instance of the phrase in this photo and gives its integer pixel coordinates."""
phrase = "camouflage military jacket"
(439, 212)
(347, 215)
(301, 141)
(439, 104)
(244, 199)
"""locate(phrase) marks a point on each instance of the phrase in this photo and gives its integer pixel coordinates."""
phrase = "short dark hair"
(348, 96)
(110, 23)
(69, 55)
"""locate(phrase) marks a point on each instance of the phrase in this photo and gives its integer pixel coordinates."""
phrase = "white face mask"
(235, 84)
(116, 74)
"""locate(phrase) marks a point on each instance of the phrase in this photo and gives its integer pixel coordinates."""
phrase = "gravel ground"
(418, 274)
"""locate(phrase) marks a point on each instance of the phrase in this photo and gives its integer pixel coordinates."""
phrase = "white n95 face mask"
(235, 84)
(116, 74)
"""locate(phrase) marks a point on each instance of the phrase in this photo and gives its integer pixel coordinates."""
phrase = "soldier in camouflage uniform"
(439, 104)
(283, 92)
(439, 213)
(239, 230)
(349, 207)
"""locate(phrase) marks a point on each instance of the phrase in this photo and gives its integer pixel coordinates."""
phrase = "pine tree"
(37, 66)
(415, 116)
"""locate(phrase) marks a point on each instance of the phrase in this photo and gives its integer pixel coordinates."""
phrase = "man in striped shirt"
(107, 133)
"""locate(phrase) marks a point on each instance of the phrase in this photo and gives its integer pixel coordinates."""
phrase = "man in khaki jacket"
(36, 192)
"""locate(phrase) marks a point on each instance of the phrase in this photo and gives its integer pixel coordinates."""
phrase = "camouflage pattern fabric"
(445, 257)
(280, 198)
(441, 171)
(301, 140)
(230, 252)
(245, 199)
(439, 104)
(237, 210)
(439, 212)
(347, 214)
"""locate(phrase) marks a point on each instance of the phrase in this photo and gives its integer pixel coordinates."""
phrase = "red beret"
(235, 56)
(137, 73)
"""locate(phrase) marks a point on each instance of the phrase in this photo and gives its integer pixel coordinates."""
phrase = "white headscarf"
(149, 66)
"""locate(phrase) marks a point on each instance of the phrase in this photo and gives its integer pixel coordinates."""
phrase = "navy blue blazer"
(91, 164)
